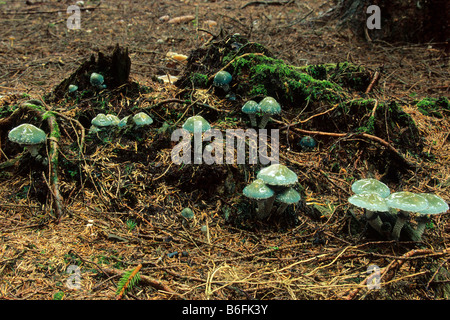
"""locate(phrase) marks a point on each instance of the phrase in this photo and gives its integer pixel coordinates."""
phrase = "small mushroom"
(371, 185)
(29, 136)
(142, 119)
(307, 143)
(222, 80)
(436, 205)
(197, 125)
(96, 80)
(187, 213)
(268, 107)
(278, 177)
(290, 196)
(260, 192)
(72, 88)
(114, 119)
(123, 122)
(251, 108)
(372, 203)
(405, 201)
(100, 122)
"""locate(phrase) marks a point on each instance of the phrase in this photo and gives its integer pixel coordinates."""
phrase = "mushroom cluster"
(97, 80)
(273, 183)
(375, 197)
(104, 122)
(267, 107)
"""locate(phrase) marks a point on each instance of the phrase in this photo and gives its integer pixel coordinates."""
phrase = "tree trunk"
(414, 21)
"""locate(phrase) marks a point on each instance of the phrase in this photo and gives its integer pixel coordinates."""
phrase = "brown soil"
(320, 250)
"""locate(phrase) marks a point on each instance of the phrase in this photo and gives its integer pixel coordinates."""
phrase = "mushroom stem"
(282, 208)
(265, 208)
(33, 149)
(399, 223)
(421, 225)
(374, 220)
(264, 121)
(253, 120)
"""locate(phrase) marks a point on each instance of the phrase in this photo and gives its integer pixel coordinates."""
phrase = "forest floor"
(122, 199)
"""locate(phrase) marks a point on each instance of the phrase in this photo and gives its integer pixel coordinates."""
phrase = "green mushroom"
(29, 136)
(222, 80)
(371, 185)
(251, 108)
(196, 125)
(278, 177)
(100, 123)
(287, 197)
(372, 203)
(114, 119)
(96, 80)
(260, 192)
(405, 202)
(268, 107)
(142, 119)
(436, 205)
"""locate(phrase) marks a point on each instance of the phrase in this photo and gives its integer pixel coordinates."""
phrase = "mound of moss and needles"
(111, 203)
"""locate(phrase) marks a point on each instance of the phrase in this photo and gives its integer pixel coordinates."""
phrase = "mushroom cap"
(371, 185)
(269, 105)
(96, 79)
(101, 120)
(307, 142)
(73, 88)
(142, 119)
(187, 213)
(222, 78)
(289, 196)
(258, 190)
(27, 134)
(369, 201)
(277, 175)
(436, 204)
(123, 122)
(114, 119)
(196, 122)
(407, 201)
(250, 107)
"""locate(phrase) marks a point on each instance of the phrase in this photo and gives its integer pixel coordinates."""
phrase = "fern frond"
(128, 280)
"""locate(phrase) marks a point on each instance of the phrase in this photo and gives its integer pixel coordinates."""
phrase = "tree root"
(53, 138)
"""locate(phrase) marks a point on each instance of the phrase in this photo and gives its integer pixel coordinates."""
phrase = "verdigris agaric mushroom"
(142, 119)
(97, 80)
(307, 143)
(222, 80)
(372, 203)
(123, 122)
(278, 177)
(114, 119)
(371, 185)
(287, 197)
(260, 192)
(268, 107)
(196, 125)
(251, 108)
(187, 213)
(100, 122)
(436, 205)
(405, 202)
(29, 136)
(72, 88)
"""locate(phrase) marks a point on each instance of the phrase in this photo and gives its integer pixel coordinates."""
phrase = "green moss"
(434, 107)
(199, 80)
(262, 75)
